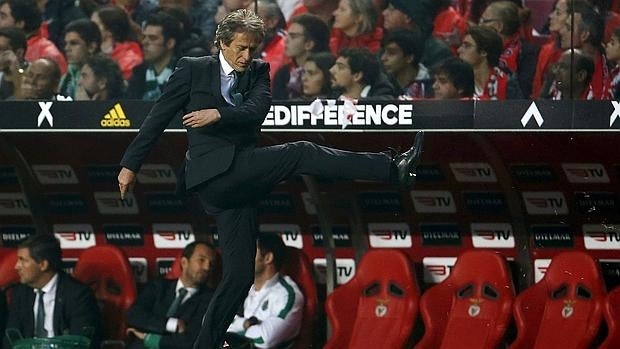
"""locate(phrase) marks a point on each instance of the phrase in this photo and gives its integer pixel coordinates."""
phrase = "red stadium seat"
(563, 310)
(612, 317)
(377, 308)
(472, 307)
(107, 271)
(298, 267)
(8, 274)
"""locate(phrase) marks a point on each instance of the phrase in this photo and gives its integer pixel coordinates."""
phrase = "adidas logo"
(115, 118)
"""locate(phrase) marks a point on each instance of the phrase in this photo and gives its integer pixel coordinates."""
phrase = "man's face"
(153, 43)
(89, 82)
(6, 18)
(444, 88)
(312, 79)
(295, 42)
(563, 72)
(393, 59)
(240, 51)
(490, 19)
(468, 51)
(341, 75)
(558, 16)
(260, 262)
(395, 19)
(30, 271)
(197, 268)
(38, 80)
(76, 48)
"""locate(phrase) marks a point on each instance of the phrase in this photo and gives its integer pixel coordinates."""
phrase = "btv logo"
(111, 203)
(492, 235)
(115, 118)
(389, 235)
(345, 270)
(437, 269)
(156, 174)
(433, 201)
(55, 174)
(545, 202)
(601, 236)
(172, 235)
(75, 236)
(479, 172)
(540, 268)
(13, 204)
(585, 173)
(290, 233)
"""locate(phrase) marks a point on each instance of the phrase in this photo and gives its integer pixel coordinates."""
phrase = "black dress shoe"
(407, 162)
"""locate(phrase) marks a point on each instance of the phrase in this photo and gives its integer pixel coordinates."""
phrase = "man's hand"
(251, 322)
(126, 181)
(200, 118)
(180, 326)
(138, 334)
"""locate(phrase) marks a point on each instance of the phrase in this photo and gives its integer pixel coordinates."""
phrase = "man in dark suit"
(168, 313)
(223, 115)
(48, 302)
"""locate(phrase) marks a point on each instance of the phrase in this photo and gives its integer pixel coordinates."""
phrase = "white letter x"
(615, 114)
(45, 114)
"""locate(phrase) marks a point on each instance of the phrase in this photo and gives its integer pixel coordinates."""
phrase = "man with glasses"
(162, 37)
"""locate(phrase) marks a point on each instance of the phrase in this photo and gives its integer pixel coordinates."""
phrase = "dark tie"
(177, 302)
(235, 97)
(39, 328)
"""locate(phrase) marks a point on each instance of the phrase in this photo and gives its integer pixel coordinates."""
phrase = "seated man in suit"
(168, 313)
(48, 302)
(273, 309)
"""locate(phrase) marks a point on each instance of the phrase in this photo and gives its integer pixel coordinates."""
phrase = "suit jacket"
(194, 85)
(74, 309)
(148, 313)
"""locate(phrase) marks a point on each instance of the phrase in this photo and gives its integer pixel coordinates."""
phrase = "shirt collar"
(190, 290)
(224, 66)
(50, 287)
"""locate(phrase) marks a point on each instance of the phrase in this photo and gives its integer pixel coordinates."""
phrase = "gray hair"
(239, 21)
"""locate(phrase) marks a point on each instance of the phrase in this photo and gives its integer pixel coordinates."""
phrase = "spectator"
(168, 313)
(454, 79)
(100, 80)
(448, 25)
(12, 62)
(402, 50)
(117, 38)
(612, 49)
(573, 83)
(412, 15)
(272, 47)
(307, 34)
(481, 48)
(48, 302)
(82, 40)
(40, 81)
(137, 10)
(161, 38)
(202, 14)
(519, 56)
(273, 309)
(25, 14)
(357, 75)
(587, 36)
(316, 79)
(57, 14)
(324, 9)
(355, 25)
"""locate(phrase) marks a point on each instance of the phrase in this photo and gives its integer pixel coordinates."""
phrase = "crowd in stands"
(350, 49)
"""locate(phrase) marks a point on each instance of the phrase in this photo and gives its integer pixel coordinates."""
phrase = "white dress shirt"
(49, 301)
(227, 78)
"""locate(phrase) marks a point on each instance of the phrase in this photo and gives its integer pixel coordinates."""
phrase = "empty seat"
(472, 307)
(563, 310)
(377, 308)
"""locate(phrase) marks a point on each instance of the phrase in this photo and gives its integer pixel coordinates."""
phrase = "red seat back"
(8, 274)
(472, 307)
(563, 310)
(298, 267)
(377, 308)
(612, 317)
(107, 271)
